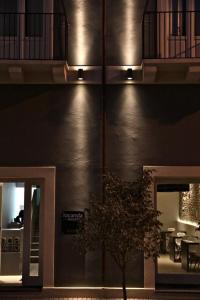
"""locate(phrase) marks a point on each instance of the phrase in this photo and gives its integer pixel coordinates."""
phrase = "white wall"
(168, 204)
(12, 202)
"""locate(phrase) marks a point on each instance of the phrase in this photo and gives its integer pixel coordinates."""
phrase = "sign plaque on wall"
(70, 221)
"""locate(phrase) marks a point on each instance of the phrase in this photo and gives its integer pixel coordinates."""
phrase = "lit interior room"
(12, 199)
(11, 208)
(179, 205)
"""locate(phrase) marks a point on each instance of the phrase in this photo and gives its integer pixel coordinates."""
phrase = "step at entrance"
(34, 257)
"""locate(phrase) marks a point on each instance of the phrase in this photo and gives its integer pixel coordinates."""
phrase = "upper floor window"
(34, 18)
(197, 17)
(8, 17)
(178, 8)
(12, 15)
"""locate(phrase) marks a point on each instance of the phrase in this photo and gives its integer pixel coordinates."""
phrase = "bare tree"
(125, 222)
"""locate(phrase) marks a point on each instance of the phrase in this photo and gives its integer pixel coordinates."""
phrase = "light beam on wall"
(128, 110)
(128, 47)
(195, 224)
(79, 109)
(81, 48)
(80, 112)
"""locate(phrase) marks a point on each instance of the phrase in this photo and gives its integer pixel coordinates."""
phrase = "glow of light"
(128, 109)
(80, 110)
(80, 74)
(82, 45)
(194, 224)
(80, 113)
(127, 45)
(97, 288)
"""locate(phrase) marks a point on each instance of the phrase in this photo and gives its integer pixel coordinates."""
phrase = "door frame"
(47, 174)
(158, 173)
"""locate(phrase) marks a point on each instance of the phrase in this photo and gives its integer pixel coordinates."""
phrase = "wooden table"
(185, 251)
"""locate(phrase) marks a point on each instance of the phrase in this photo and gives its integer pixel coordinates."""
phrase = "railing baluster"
(170, 34)
(4, 37)
(35, 32)
(149, 40)
(159, 52)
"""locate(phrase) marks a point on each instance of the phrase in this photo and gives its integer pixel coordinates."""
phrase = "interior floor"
(167, 266)
(11, 280)
(17, 279)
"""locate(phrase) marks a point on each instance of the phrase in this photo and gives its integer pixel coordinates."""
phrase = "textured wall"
(61, 126)
(190, 204)
(123, 31)
(152, 125)
(85, 25)
(58, 126)
(168, 205)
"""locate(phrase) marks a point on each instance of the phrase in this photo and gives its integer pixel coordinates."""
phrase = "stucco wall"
(61, 126)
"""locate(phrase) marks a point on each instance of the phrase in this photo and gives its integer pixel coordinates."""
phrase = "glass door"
(32, 254)
(12, 232)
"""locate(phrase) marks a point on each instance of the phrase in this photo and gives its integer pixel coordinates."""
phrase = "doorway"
(178, 188)
(179, 260)
(27, 203)
(20, 232)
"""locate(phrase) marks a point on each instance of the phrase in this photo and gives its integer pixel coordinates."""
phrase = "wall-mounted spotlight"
(80, 74)
(129, 74)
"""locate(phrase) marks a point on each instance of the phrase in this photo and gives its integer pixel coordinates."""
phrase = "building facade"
(68, 110)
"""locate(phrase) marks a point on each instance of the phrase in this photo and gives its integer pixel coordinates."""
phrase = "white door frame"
(48, 222)
(158, 173)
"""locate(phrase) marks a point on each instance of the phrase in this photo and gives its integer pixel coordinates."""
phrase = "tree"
(125, 222)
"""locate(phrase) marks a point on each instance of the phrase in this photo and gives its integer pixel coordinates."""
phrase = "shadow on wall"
(169, 104)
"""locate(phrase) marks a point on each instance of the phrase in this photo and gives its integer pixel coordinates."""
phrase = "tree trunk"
(124, 283)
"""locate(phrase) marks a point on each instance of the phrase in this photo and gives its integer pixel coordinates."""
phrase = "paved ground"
(63, 294)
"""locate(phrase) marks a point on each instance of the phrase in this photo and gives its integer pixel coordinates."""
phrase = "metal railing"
(33, 36)
(171, 34)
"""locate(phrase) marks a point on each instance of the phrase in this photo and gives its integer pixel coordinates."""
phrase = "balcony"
(171, 46)
(33, 48)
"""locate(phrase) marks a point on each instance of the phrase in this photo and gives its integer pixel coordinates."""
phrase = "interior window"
(8, 17)
(34, 18)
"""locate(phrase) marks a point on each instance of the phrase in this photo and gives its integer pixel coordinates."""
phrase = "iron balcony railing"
(33, 36)
(171, 34)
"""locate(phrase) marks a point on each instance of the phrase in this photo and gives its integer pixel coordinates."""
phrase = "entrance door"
(34, 222)
(21, 238)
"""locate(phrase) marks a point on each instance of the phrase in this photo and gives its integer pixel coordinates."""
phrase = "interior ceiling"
(178, 180)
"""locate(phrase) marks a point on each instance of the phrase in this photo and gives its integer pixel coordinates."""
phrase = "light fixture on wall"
(80, 74)
(129, 74)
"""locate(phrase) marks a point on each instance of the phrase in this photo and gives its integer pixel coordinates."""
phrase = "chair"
(178, 245)
(194, 259)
